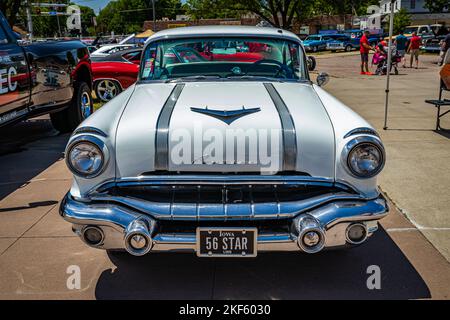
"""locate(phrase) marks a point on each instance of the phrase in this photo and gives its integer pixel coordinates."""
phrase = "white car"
(226, 152)
(108, 49)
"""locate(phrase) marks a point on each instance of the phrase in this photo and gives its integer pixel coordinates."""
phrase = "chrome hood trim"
(226, 116)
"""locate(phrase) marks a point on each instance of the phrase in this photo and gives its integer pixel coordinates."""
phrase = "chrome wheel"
(85, 105)
(107, 90)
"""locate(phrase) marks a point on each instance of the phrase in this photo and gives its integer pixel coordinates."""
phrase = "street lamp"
(391, 32)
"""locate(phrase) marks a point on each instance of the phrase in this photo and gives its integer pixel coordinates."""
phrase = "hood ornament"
(227, 116)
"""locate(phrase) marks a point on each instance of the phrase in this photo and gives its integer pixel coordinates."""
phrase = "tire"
(315, 49)
(106, 90)
(311, 61)
(79, 109)
(348, 48)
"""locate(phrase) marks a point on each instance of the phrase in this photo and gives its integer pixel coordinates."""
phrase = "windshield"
(313, 38)
(224, 58)
(410, 30)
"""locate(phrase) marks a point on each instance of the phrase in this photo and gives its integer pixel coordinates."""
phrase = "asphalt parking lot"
(411, 249)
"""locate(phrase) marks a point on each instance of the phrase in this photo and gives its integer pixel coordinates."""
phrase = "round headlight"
(365, 160)
(85, 159)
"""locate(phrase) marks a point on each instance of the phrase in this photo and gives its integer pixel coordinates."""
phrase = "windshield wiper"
(250, 77)
(192, 78)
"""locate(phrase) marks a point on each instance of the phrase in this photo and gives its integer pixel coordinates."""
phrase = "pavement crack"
(21, 236)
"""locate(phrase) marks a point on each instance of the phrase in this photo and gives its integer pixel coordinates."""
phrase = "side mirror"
(322, 79)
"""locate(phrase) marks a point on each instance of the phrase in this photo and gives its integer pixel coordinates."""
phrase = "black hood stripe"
(288, 129)
(162, 129)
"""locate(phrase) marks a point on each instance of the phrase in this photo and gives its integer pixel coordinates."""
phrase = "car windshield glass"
(314, 38)
(224, 58)
(410, 30)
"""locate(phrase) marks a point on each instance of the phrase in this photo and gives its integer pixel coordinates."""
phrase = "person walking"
(445, 45)
(400, 44)
(364, 51)
(414, 49)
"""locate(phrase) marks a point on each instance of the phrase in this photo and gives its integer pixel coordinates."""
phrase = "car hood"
(225, 127)
(310, 42)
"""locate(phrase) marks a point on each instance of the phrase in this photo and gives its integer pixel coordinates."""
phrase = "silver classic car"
(226, 148)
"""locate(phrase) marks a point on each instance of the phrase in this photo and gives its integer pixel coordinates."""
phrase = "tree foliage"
(401, 20)
(212, 9)
(47, 26)
(437, 6)
(279, 13)
(128, 16)
(10, 9)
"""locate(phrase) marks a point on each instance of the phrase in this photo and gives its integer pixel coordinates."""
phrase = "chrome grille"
(268, 226)
(216, 194)
(222, 198)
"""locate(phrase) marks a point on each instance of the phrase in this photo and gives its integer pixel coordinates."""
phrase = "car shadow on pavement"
(339, 274)
(27, 149)
(30, 206)
(443, 132)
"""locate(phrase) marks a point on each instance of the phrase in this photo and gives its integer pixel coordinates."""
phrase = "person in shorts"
(364, 51)
(414, 49)
(401, 43)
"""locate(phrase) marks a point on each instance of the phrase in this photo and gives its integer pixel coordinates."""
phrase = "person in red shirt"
(414, 49)
(364, 51)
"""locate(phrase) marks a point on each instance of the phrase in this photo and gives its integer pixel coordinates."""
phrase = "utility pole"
(391, 32)
(29, 21)
(59, 26)
(154, 15)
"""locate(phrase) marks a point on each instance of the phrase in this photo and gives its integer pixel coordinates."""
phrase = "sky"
(94, 4)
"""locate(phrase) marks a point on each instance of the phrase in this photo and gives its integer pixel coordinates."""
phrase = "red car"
(115, 73)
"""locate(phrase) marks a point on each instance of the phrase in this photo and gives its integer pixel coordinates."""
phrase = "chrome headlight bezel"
(356, 142)
(97, 143)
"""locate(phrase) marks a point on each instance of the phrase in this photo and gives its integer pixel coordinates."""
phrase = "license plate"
(227, 242)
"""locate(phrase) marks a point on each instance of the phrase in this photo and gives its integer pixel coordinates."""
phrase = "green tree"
(87, 20)
(279, 13)
(128, 16)
(401, 20)
(10, 9)
(437, 6)
(212, 9)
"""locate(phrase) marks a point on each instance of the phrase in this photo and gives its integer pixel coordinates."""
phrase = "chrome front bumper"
(117, 221)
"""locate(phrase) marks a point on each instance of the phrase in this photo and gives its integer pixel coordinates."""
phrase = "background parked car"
(433, 45)
(342, 42)
(114, 73)
(316, 42)
(356, 34)
(44, 77)
(109, 49)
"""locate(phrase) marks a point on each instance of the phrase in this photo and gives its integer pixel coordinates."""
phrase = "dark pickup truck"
(52, 77)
